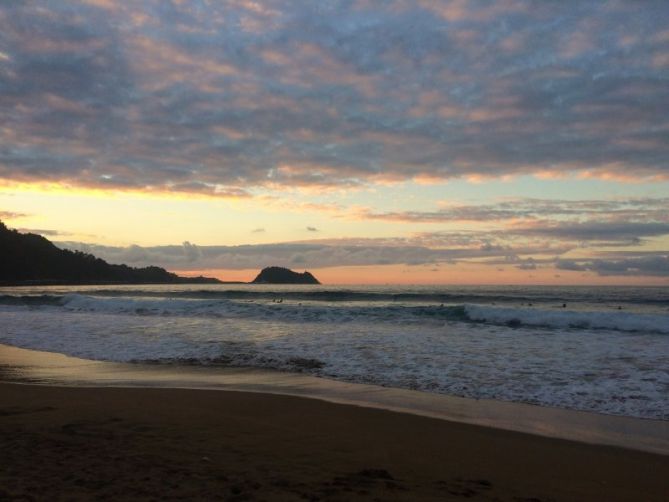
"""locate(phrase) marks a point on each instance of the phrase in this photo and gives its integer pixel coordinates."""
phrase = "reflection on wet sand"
(28, 366)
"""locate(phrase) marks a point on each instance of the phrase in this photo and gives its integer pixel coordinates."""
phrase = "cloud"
(312, 254)
(613, 222)
(649, 265)
(43, 231)
(259, 230)
(627, 232)
(12, 215)
(312, 229)
(376, 252)
(646, 208)
(527, 264)
(191, 252)
(240, 96)
(572, 265)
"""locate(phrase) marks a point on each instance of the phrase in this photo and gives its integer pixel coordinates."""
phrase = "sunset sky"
(403, 141)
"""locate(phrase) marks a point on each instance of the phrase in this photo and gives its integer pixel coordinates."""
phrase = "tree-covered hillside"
(31, 258)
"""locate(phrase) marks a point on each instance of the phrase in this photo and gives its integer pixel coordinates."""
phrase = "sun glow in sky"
(503, 141)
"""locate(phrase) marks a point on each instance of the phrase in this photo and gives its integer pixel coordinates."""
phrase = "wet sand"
(47, 368)
(131, 443)
(65, 441)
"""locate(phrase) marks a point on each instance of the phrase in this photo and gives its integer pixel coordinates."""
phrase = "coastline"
(111, 438)
(19, 365)
(183, 280)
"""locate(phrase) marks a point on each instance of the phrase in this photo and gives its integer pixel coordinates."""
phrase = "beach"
(128, 443)
(72, 429)
(513, 344)
(393, 393)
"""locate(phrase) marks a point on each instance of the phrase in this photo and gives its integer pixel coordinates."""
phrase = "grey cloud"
(310, 254)
(613, 222)
(491, 248)
(651, 265)
(573, 265)
(531, 208)
(224, 98)
(527, 264)
(191, 251)
(312, 229)
(627, 232)
(43, 231)
(11, 215)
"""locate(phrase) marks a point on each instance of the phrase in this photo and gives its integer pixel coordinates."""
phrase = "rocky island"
(280, 275)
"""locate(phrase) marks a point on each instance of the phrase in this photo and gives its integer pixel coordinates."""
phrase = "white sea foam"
(613, 362)
(552, 318)
(563, 318)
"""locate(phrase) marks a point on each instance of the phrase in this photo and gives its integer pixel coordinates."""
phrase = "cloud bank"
(533, 233)
(654, 264)
(227, 97)
(314, 254)
(526, 233)
(371, 252)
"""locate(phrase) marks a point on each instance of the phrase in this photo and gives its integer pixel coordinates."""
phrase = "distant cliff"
(280, 275)
(32, 259)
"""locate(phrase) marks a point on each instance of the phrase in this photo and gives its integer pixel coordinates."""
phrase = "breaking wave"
(293, 311)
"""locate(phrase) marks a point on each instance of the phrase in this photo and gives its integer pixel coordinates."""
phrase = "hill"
(280, 275)
(33, 259)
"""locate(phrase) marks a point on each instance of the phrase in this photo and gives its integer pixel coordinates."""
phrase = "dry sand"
(76, 443)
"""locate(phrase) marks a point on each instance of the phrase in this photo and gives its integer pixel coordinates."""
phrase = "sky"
(398, 141)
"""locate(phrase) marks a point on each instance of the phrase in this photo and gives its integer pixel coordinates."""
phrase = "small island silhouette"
(31, 259)
(280, 275)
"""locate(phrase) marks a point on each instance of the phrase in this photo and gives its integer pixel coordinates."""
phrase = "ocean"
(598, 349)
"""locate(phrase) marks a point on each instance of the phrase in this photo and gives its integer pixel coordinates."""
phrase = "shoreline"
(75, 443)
(62, 440)
(18, 365)
(46, 283)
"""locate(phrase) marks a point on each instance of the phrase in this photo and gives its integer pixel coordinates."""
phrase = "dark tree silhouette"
(32, 259)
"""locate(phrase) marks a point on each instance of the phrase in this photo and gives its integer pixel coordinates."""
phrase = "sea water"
(600, 349)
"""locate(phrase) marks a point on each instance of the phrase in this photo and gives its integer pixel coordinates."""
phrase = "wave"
(288, 312)
(608, 362)
(511, 295)
(31, 300)
(215, 306)
(566, 319)
(492, 296)
(327, 296)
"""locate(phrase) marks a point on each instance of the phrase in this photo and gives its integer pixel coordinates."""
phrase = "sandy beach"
(111, 443)
(73, 442)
